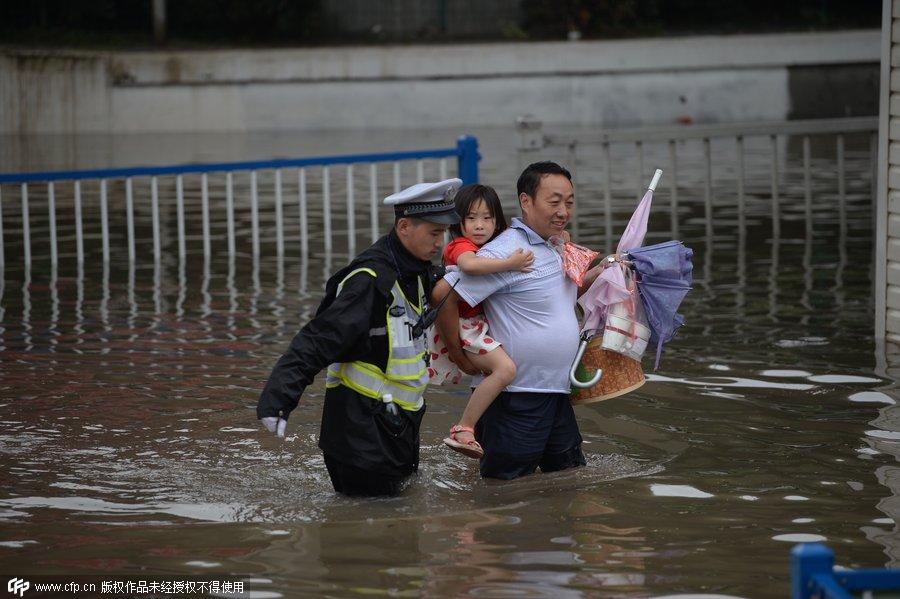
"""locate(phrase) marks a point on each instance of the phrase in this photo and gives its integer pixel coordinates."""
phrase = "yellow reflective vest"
(406, 374)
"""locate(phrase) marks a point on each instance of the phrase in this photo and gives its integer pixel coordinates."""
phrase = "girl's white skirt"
(475, 337)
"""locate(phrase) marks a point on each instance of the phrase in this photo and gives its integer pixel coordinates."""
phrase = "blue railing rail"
(465, 152)
(813, 576)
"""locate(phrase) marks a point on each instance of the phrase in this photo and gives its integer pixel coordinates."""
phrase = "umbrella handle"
(655, 179)
(573, 379)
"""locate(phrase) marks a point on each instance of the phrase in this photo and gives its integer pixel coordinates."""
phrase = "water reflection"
(276, 304)
(141, 420)
(254, 297)
(26, 310)
(679, 491)
(182, 290)
(132, 302)
(79, 306)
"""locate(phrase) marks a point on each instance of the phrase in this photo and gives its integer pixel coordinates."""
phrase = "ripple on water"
(800, 537)
(872, 397)
(786, 373)
(193, 511)
(292, 485)
(802, 342)
(17, 544)
(686, 491)
(842, 378)
(887, 435)
(722, 381)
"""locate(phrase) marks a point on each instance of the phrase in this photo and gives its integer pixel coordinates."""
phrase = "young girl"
(481, 219)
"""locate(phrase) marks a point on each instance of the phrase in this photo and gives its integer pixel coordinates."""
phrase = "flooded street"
(129, 442)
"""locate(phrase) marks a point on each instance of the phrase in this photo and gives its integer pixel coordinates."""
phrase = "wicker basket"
(621, 374)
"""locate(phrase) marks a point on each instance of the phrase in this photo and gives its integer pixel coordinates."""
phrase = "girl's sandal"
(470, 448)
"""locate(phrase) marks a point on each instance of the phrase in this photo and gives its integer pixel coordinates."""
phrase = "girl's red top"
(452, 251)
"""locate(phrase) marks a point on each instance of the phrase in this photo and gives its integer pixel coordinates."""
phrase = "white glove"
(274, 424)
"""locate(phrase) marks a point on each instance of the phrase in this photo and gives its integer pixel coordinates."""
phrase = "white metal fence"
(209, 208)
(727, 162)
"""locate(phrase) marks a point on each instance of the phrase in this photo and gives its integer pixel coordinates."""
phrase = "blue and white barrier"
(465, 152)
(813, 576)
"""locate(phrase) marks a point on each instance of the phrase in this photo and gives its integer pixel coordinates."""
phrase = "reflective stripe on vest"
(406, 376)
(344, 280)
(367, 379)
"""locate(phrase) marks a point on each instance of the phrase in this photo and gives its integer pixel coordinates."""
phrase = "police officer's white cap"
(428, 201)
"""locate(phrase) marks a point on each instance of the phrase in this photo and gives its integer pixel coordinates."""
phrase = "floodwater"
(129, 444)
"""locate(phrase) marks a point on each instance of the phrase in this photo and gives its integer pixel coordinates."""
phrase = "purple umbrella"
(664, 278)
(610, 287)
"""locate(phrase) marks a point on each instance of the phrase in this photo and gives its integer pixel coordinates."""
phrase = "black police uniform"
(368, 449)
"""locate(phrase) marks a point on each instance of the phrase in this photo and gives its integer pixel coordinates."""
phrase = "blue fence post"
(807, 560)
(467, 146)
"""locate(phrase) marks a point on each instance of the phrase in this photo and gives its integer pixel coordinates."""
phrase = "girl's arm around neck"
(471, 264)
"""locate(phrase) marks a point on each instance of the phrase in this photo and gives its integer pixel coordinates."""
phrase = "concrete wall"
(54, 92)
(632, 82)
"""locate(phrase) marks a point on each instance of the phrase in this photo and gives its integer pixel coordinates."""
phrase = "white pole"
(351, 213)
(204, 201)
(179, 205)
(229, 210)
(104, 221)
(279, 216)
(842, 190)
(26, 226)
(79, 233)
(776, 208)
(807, 186)
(129, 210)
(154, 205)
(304, 226)
(254, 213)
(51, 213)
(373, 200)
(326, 208)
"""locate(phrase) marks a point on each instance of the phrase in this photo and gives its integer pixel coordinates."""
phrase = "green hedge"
(307, 22)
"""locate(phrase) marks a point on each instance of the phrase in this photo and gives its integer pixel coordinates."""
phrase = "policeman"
(369, 331)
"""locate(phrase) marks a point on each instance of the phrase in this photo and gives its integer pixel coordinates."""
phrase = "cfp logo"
(17, 586)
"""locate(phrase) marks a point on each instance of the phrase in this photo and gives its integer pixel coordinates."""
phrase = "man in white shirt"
(532, 314)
